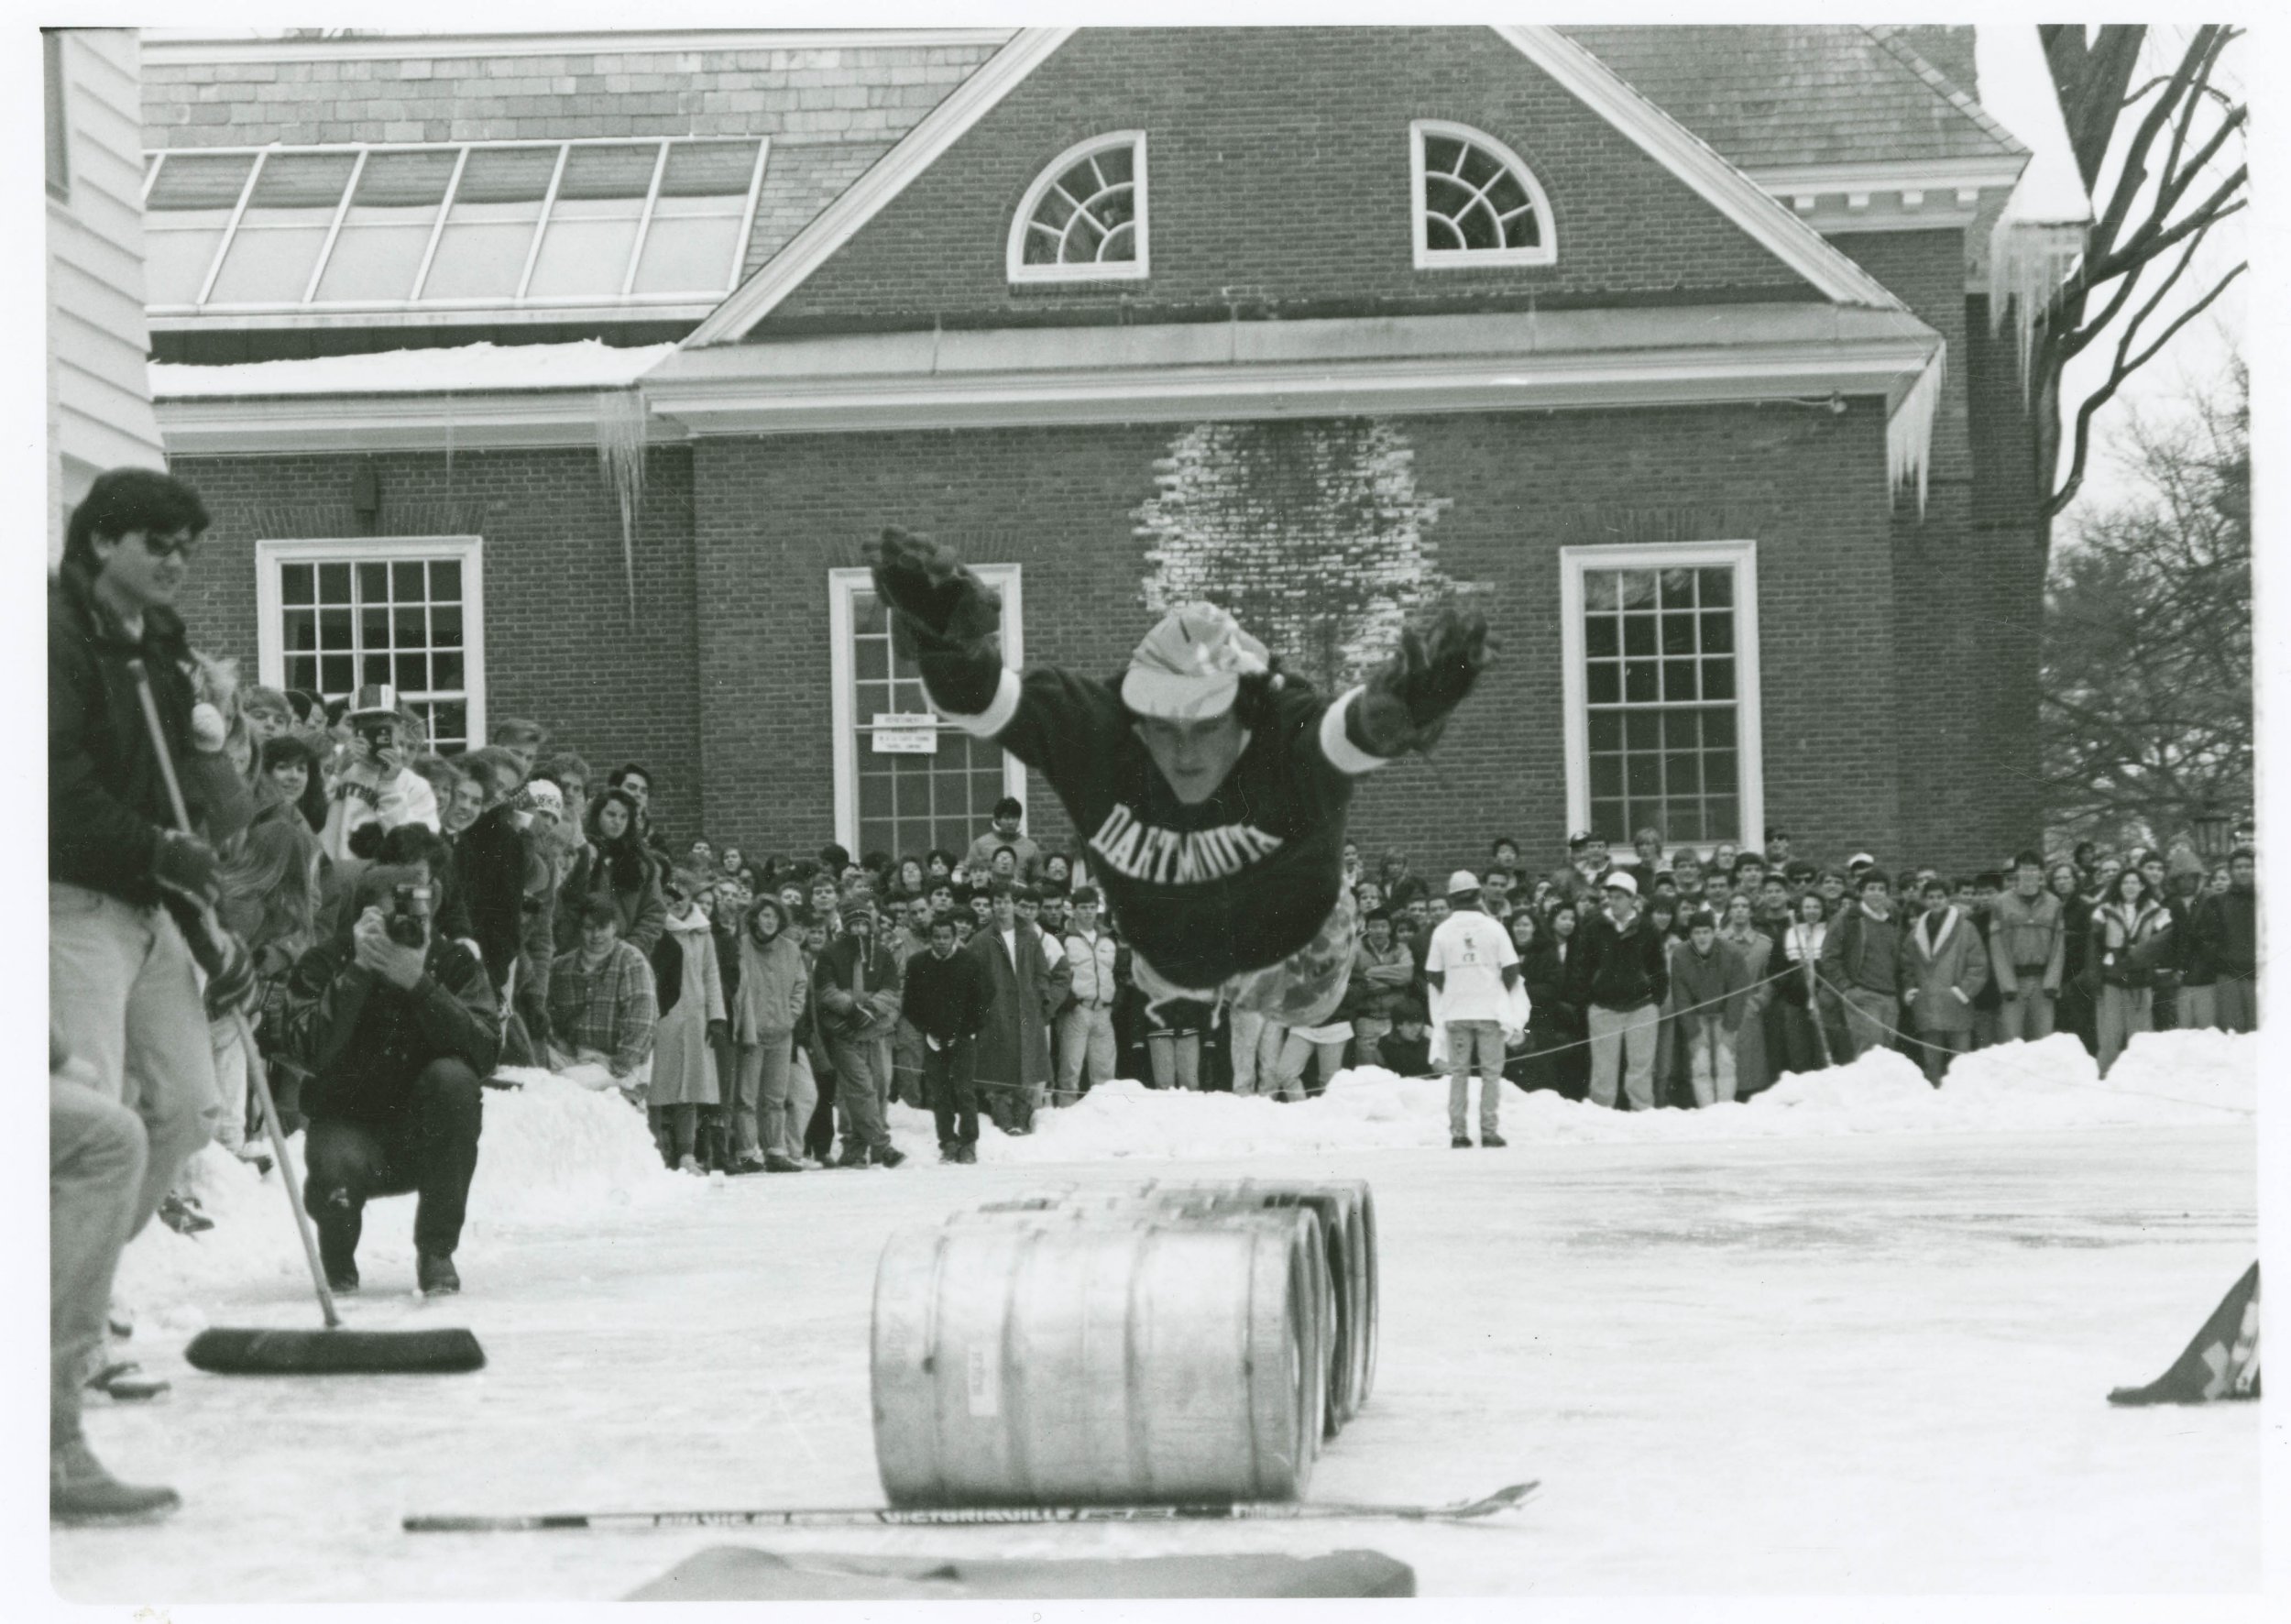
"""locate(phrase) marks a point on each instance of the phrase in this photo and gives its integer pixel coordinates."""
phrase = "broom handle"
(255, 1070)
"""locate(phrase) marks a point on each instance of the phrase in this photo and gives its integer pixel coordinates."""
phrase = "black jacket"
(107, 802)
(363, 1041)
(947, 998)
(489, 873)
(1617, 971)
(1546, 978)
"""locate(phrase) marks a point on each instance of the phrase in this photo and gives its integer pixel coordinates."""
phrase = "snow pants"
(95, 1172)
(1623, 1050)
(122, 995)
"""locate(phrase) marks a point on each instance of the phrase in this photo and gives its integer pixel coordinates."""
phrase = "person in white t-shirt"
(1471, 968)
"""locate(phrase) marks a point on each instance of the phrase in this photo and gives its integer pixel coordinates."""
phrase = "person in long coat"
(1943, 963)
(1012, 1063)
(691, 1019)
(1753, 1066)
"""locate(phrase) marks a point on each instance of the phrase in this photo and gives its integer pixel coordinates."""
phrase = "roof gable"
(900, 245)
(1791, 94)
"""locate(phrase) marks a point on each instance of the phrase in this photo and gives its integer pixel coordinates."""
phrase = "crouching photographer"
(397, 1028)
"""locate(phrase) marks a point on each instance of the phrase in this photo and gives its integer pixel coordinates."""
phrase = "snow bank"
(554, 1155)
(2169, 1077)
(584, 364)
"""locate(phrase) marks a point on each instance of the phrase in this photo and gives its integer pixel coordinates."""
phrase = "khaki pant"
(95, 1170)
(1085, 1045)
(123, 995)
(1871, 1018)
(1623, 1049)
(1256, 1042)
(1467, 1040)
(2027, 1017)
(1709, 1059)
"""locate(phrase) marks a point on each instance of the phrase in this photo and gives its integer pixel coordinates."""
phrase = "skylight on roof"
(512, 225)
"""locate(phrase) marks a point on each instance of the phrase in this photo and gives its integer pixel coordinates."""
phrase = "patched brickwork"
(1279, 179)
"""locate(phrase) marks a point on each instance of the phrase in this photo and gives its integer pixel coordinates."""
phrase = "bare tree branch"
(2123, 369)
(2134, 173)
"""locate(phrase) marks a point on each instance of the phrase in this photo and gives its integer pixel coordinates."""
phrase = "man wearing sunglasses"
(124, 887)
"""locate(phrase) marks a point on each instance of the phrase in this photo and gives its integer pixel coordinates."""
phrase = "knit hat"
(1190, 667)
(859, 908)
(546, 797)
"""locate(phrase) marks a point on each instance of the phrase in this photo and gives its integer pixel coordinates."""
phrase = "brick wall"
(1279, 175)
(560, 645)
(772, 516)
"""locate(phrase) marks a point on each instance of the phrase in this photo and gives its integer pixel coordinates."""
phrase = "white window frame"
(468, 551)
(309, 306)
(1427, 258)
(1008, 579)
(1132, 270)
(1750, 739)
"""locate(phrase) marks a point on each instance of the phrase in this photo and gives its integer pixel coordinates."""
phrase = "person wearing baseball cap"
(1211, 790)
(1471, 968)
(1619, 976)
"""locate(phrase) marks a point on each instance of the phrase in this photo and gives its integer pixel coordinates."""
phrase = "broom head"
(231, 1351)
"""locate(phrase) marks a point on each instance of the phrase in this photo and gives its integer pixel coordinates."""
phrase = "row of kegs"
(1157, 1341)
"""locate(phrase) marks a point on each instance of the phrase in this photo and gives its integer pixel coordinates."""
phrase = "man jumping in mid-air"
(1210, 789)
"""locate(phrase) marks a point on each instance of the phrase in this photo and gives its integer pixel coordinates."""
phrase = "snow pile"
(2171, 1077)
(554, 1154)
(584, 364)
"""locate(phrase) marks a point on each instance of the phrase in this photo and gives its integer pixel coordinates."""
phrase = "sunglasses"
(169, 546)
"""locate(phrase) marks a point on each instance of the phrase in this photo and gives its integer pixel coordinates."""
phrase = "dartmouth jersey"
(1203, 893)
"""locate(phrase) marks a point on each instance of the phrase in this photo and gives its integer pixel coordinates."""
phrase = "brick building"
(567, 376)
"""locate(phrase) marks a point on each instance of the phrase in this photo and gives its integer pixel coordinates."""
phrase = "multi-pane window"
(510, 223)
(338, 615)
(1084, 218)
(1476, 203)
(1661, 650)
(906, 781)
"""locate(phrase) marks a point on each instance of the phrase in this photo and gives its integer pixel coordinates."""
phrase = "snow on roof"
(584, 364)
(2017, 89)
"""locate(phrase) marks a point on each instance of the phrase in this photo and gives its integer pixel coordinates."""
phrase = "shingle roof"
(1774, 95)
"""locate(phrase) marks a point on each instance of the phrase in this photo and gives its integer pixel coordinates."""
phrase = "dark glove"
(719, 1031)
(944, 617)
(943, 598)
(231, 984)
(1407, 704)
(186, 866)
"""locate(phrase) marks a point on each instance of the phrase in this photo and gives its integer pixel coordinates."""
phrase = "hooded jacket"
(773, 986)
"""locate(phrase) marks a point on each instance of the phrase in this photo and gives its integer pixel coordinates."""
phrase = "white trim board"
(1008, 579)
(469, 550)
(225, 426)
(1583, 75)
(1750, 739)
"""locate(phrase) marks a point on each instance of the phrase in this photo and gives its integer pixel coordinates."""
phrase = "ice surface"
(1854, 1336)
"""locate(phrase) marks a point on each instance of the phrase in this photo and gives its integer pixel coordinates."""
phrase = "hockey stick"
(1503, 1499)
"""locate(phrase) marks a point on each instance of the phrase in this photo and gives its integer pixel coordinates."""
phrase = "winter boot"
(967, 1153)
(888, 1158)
(433, 1272)
(775, 1162)
(1460, 1141)
(182, 1215)
(854, 1155)
(81, 1492)
(1491, 1141)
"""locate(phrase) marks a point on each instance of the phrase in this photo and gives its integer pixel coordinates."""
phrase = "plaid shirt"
(611, 1009)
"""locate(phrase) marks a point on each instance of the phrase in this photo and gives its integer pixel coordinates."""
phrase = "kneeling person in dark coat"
(397, 1026)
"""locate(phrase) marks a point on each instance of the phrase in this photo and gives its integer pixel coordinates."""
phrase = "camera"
(408, 921)
(380, 732)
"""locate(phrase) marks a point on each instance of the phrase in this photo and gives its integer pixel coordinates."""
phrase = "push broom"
(337, 1350)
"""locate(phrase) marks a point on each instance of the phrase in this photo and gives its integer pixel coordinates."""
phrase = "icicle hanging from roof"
(2041, 233)
(1909, 432)
(620, 435)
(2028, 260)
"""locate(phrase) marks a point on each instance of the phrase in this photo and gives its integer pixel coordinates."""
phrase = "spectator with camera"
(397, 1028)
(377, 783)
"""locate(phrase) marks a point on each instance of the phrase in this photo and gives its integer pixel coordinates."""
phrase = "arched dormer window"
(1083, 220)
(1476, 204)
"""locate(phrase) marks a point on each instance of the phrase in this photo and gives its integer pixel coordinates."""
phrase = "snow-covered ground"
(1853, 1335)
